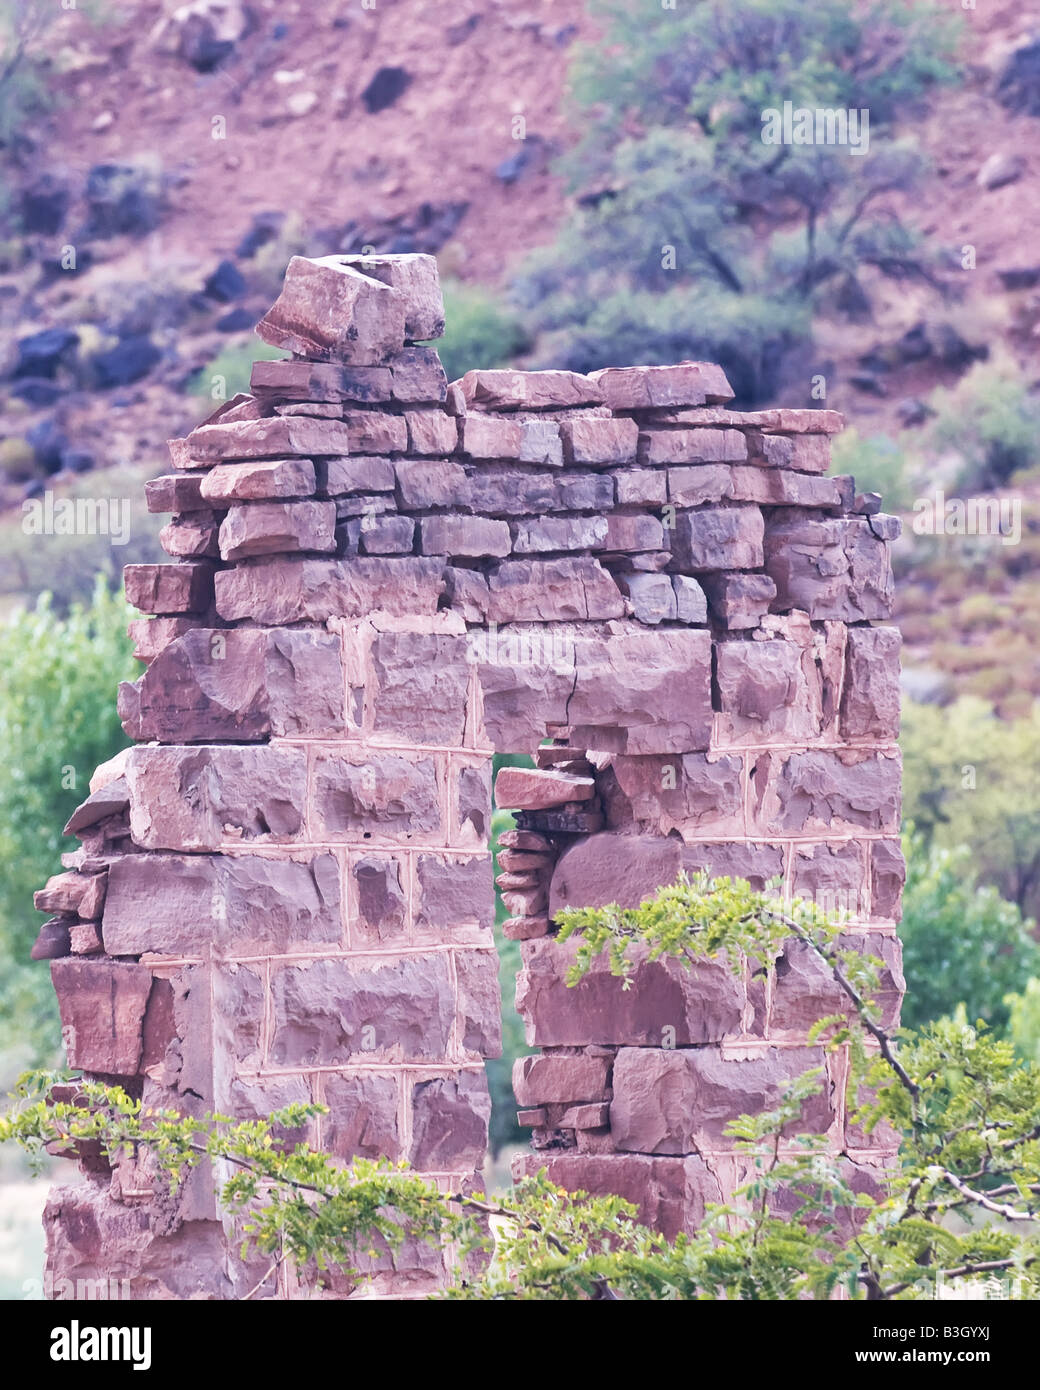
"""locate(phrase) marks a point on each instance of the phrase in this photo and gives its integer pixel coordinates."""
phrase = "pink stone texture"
(285, 889)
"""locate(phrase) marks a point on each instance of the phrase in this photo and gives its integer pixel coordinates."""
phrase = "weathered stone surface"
(169, 589)
(382, 905)
(534, 789)
(194, 798)
(870, 698)
(771, 487)
(258, 481)
(328, 1012)
(190, 904)
(611, 868)
(383, 798)
(887, 875)
(291, 590)
(54, 939)
(675, 1102)
(805, 989)
(520, 928)
(633, 531)
(758, 863)
(268, 528)
(431, 432)
(418, 376)
(552, 590)
(464, 535)
(480, 1001)
(807, 453)
(550, 533)
(540, 443)
(453, 893)
(387, 535)
(690, 600)
(431, 483)
(83, 895)
(490, 437)
(362, 1119)
(331, 311)
(526, 675)
(108, 801)
(415, 282)
(561, 1080)
(150, 636)
(739, 601)
(694, 793)
(416, 690)
(291, 436)
(650, 388)
(599, 442)
(767, 689)
(321, 381)
(637, 486)
(643, 692)
(241, 684)
(102, 1004)
(819, 791)
(670, 1193)
(582, 491)
(472, 805)
(652, 596)
(665, 1005)
(692, 446)
(831, 569)
(191, 537)
(719, 538)
(526, 902)
(505, 389)
(779, 421)
(450, 1123)
(176, 492)
(831, 876)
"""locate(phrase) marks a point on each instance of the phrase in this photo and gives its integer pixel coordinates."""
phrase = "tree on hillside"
(693, 236)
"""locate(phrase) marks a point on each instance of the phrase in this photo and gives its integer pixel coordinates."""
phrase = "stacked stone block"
(284, 890)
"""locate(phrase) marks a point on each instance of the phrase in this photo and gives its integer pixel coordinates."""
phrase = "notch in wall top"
(360, 310)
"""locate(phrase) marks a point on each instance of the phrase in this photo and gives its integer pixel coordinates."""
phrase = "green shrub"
(991, 421)
(879, 464)
(228, 374)
(58, 721)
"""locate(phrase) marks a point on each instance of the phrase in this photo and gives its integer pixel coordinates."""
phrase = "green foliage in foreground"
(962, 1205)
(58, 720)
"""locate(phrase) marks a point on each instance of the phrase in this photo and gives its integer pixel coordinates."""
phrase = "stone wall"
(284, 889)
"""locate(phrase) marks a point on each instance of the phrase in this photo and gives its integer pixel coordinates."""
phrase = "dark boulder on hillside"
(127, 362)
(1018, 86)
(41, 354)
(121, 200)
(43, 206)
(225, 284)
(387, 87)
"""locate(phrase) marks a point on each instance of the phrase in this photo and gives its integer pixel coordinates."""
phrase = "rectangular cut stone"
(321, 381)
(555, 1080)
(676, 1102)
(870, 697)
(102, 1004)
(692, 446)
(719, 538)
(192, 537)
(503, 491)
(330, 311)
(699, 1005)
(582, 492)
(464, 535)
(490, 437)
(541, 443)
(387, 535)
(697, 793)
(757, 862)
(820, 792)
(277, 436)
(364, 473)
(599, 442)
(505, 389)
(329, 1012)
(768, 691)
(423, 483)
(641, 485)
(376, 799)
(416, 688)
(830, 569)
(418, 376)
(454, 895)
(450, 1123)
(633, 531)
(739, 600)
(805, 453)
(806, 990)
(194, 904)
(431, 432)
(649, 388)
(169, 589)
(688, 487)
(194, 798)
(643, 692)
(779, 421)
(612, 868)
(271, 528)
(559, 533)
(291, 591)
(175, 492)
(259, 481)
(552, 590)
(415, 283)
(535, 789)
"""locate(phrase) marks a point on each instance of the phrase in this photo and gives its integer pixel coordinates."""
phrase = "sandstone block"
(739, 600)
(269, 528)
(268, 479)
(694, 793)
(362, 473)
(299, 590)
(690, 599)
(887, 875)
(870, 698)
(453, 893)
(599, 442)
(719, 538)
(385, 798)
(672, 446)
(330, 311)
(533, 789)
(652, 597)
(169, 589)
(635, 486)
(387, 535)
(382, 905)
(321, 381)
(414, 281)
(611, 868)
(464, 535)
(504, 389)
(561, 1080)
(102, 1004)
(431, 432)
(450, 1123)
(541, 444)
(362, 1118)
(633, 531)
(417, 689)
(434, 483)
(651, 388)
(490, 437)
(559, 533)
(177, 492)
(193, 537)
(480, 1001)
(552, 591)
(758, 863)
(819, 791)
(418, 376)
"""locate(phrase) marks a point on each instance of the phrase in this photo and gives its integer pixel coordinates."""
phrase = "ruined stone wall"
(284, 889)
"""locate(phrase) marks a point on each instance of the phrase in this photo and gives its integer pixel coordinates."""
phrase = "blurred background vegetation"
(641, 219)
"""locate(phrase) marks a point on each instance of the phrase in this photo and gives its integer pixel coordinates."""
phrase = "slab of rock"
(611, 868)
(504, 389)
(423, 483)
(450, 1123)
(415, 687)
(431, 432)
(272, 528)
(596, 442)
(820, 791)
(887, 876)
(651, 388)
(652, 597)
(362, 1117)
(671, 446)
(719, 538)
(694, 793)
(870, 698)
(739, 600)
(534, 789)
(292, 591)
(102, 1005)
(555, 533)
(561, 1080)
(175, 492)
(280, 436)
(362, 473)
(418, 376)
(169, 589)
(386, 797)
(464, 535)
(330, 311)
(293, 380)
(552, 591)
(382, 905)
(415, 282)
(260, 481)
